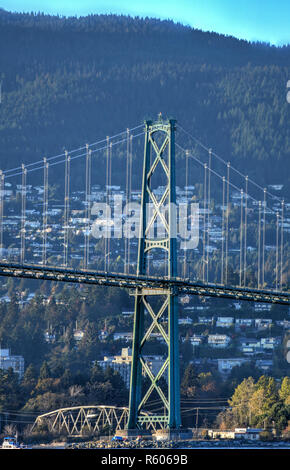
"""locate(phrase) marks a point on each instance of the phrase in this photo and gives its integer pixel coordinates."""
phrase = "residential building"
(185, 321)
(260, 307)
(252, 434)
(126, 336)
(243, 323)
(226, 365)
(206, 320)
(196, 340)
(263, 323)
(122, 364)
(270, 343)
(78, 335)
(128, 313)
(219, 434)
(218, 341)
(250, 346)
(224, 322)
(15, 362)
(264, 364)
(283, 323)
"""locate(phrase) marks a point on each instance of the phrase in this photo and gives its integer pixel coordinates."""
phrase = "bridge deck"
(130, 281)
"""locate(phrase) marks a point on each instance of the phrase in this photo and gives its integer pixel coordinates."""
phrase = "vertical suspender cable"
(107, 203)
(204, 221)
(282, 242)
(208, 212)
(264, 238)
(245, 233)
(45, 208)
(2, 194)
(127, 196)
(66, 207)
(86, 202)
(130, 190)
(186, 198)
(227, 222)
(148, 265)
(259, 246)
(23, 213)
(110, 184)
(277, 250)
(87, 207)
(223, 232)
(241, 237)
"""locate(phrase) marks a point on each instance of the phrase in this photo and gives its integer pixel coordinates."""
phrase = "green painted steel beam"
(147, 242)
(149, 283)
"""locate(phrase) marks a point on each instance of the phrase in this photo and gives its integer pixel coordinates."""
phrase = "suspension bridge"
(197, 226)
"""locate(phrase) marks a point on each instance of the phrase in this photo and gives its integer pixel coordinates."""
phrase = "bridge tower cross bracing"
(164, 209)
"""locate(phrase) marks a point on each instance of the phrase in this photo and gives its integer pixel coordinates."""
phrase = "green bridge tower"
(157, 304)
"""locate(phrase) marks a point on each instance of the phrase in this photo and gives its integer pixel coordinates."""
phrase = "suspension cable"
(264, 237)
(72, 151)
(225, 163)
(208, 212)
(66, 207)
(241, 237)
(223, 232)
(2, 196)
(259, 246)
(282, 243)
(227, 221)
(74, 157)
(245, 234)
(204, 221)
(45, 209)
(87, 208)
(130, 193)
(23, 213)
(277, 250)
(127, 196)
(186, 198)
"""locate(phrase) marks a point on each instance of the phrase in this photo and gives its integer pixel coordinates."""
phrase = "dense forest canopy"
(67, 81)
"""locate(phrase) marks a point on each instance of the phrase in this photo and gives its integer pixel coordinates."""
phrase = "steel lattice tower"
(159, 156)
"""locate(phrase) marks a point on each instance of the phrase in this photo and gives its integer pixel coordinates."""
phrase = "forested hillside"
(67, 81)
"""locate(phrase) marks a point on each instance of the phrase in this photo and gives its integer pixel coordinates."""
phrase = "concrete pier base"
(132, 434)
(172, 434)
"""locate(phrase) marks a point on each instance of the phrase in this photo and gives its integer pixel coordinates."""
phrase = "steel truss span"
(75, 421)
(131, 281)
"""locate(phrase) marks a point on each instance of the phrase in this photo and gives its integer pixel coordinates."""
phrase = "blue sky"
(262, 20)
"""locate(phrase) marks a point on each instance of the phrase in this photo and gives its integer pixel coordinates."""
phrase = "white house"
(270, 343)
(226, 365)
(263, 323)
(218, 341)
(243, 323)
(264, 364)
(250, 346)
(252, 434)
(224, 322)
(127, 336)
(185, 321)
(206, 320)
(196, 340)
(261, 307)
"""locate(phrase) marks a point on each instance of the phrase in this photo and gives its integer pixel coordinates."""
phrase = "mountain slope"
(67, 81)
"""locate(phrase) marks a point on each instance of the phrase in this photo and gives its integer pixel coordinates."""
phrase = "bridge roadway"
(141, 283)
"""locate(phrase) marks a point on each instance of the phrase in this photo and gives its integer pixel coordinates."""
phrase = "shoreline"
(147, 445)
